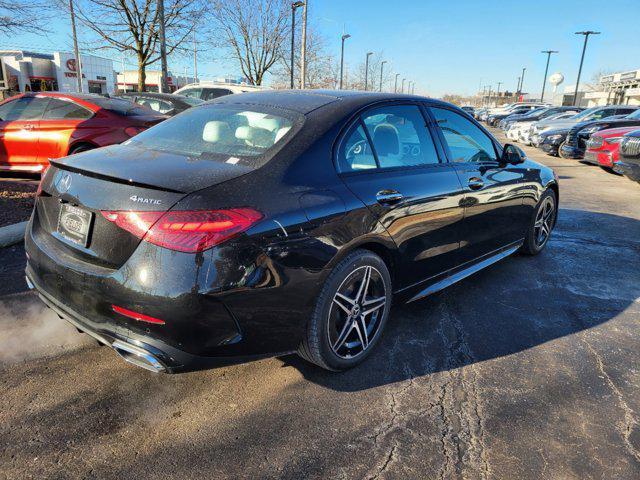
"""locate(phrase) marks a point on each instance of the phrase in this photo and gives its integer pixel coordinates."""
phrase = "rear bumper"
(216, 314)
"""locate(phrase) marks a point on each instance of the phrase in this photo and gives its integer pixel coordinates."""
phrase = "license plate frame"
(74, 224)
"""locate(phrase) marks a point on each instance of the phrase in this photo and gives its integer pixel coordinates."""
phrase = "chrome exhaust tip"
(138, 356)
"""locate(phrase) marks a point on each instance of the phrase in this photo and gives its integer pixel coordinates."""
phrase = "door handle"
(388, 197)
(475, 183)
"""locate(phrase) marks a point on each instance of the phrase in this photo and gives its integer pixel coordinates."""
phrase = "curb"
(12, 234)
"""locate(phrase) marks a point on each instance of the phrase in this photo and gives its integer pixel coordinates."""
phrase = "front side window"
(226, 133)
(120, 106)
(465, 140)
(65, 109)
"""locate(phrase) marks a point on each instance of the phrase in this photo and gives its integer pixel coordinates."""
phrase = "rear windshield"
(227, 133)
(121, 106)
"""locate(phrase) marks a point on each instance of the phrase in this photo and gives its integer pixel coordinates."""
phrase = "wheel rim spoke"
(375, 305)
(544, 222)
(361, 335)
(344, 334)
(340, 301)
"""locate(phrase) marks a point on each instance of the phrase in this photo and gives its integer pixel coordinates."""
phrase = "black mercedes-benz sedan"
(277, 222)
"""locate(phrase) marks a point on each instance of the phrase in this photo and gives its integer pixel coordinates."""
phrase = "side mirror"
(512, 155)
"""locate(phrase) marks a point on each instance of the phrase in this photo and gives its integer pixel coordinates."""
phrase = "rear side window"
(65, 109)
(399, 138)
(355, 151)
(212, 93)
(226, 133)
(466, 142)
(155, 104)
(120, 106)
(5, 108)
(192, 92)
(26, 108)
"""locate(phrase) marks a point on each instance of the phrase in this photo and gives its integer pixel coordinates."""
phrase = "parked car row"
(37, 127)
(593, 135)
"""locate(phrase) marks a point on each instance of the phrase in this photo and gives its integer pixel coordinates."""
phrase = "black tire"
(80, 148)
(533, 244)
(316, 347)
(559, 153)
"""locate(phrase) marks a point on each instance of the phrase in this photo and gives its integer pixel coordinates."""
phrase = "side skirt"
(468, 271)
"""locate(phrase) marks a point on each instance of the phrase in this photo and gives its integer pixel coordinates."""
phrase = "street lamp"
(402, 88)
(518, 89)
(381, 70)
(395, 85)
(498, 92)
(546, 70)
(584, 48)
(521, 81)
(366, 71)
(294, 7)
(344, 37)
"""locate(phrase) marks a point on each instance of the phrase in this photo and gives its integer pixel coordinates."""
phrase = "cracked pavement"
(526, 370)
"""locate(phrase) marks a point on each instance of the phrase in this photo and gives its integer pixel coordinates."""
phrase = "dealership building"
(23, 71)
(621, 88)
(127, 81)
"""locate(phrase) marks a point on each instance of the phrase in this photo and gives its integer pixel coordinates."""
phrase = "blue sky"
(449, 46)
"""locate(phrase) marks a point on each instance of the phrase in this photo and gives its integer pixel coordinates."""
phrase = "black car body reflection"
(284, 185)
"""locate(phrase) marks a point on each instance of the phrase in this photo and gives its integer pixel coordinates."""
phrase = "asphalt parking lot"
(528, 369)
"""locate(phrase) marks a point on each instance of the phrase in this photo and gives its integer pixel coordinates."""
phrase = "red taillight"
(141, 317)
(186, 231)
(133, 131)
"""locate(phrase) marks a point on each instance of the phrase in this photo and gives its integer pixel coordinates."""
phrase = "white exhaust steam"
(30, 330)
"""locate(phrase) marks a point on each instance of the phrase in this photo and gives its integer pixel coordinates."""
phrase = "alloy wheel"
(544, 222)
(356, 312)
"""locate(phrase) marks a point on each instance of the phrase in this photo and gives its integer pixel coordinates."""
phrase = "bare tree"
(132, 26)
(321, 69)
(373, 79)
(254, 32)
(21, 16)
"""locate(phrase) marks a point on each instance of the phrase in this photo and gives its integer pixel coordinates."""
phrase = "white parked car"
(210, 90)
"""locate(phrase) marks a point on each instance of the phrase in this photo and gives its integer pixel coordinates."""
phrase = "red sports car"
(603, 146)
(35, 127)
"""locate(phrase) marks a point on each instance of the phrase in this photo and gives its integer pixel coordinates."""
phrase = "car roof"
(306, 101)
(163, 96)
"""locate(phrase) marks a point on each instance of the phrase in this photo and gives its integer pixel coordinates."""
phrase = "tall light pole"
(195, 56)
(522, 81)
(498, 92)
(303, 47)
(546, 71)
(76, 50)
(584, 49)
(402, 88)
(366, 71)
(294, 6)
(344, 37)
(518, 87)
(381, 70)
(164, 73)
(395, 85)
(484, 94)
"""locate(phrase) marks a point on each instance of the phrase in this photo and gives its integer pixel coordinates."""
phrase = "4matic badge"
(148, 201)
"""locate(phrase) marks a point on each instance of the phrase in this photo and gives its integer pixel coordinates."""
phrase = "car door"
(389, 160)
(63, 120)
(494, 212)
(19, 132)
